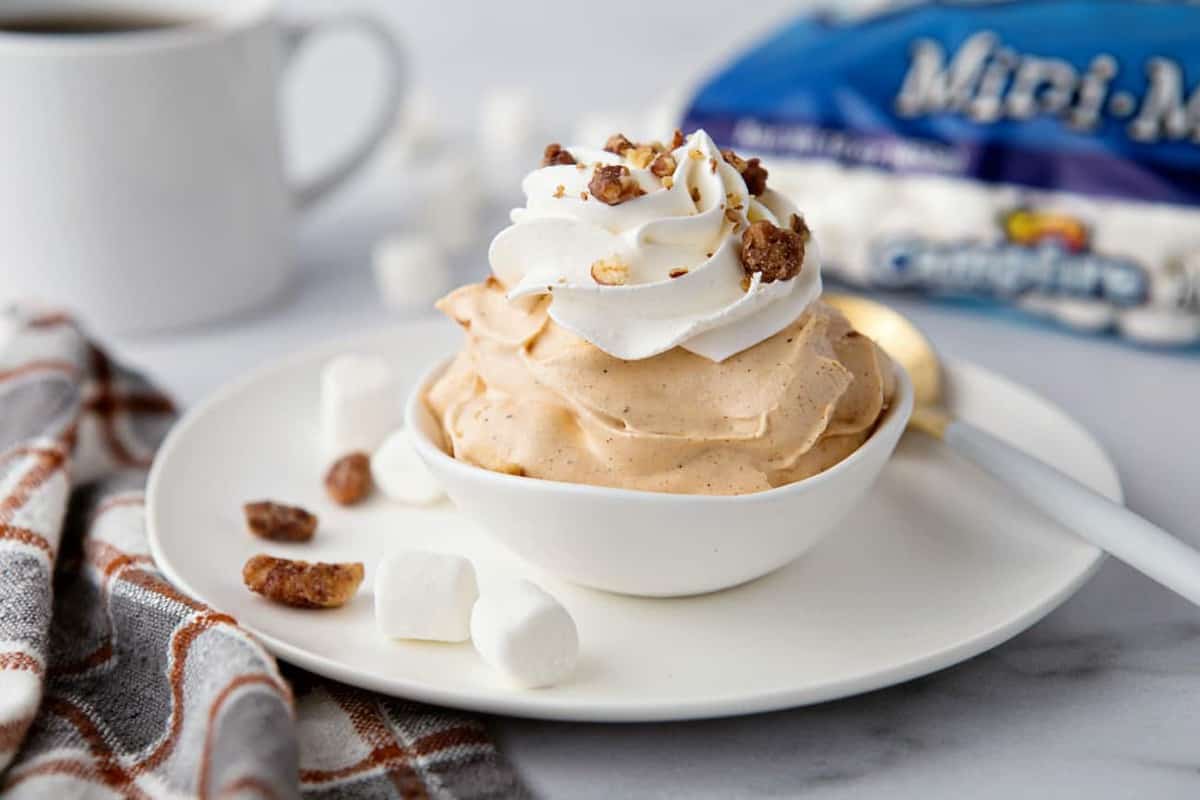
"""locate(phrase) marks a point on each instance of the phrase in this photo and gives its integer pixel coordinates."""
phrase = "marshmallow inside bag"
(425, 595)
(525, 634)
(411, 272)
(1160, 326)
(1084, 315)
(401, 474)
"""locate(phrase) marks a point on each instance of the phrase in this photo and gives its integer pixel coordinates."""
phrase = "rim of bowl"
(896, 416)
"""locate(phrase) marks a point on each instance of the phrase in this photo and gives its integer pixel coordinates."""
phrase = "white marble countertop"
(1098, 700)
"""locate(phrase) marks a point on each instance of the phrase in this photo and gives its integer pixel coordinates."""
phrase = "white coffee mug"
(142, 181)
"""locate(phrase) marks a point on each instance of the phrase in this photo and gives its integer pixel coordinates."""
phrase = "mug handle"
(328, 179)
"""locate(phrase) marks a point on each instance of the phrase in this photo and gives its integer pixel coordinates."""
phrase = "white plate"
(940, 564)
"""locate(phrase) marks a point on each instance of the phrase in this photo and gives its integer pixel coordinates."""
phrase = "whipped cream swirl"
(688, 226)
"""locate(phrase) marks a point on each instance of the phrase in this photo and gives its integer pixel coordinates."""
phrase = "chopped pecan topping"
(678, 272)
(614, 185)
(777, 253)
(555, 154)
(617, 144)
(583, 195)
(279, 522)
(712, 166)
(752, 171)
(695, 194)
(559, 190)
(640, 156)
(348, 480)
(668, 181)
(797, 224)
(696, 154)
(732, 216)
(300, 583)
(610, 272)
(664, 165)
(734, 160)
(677, 139)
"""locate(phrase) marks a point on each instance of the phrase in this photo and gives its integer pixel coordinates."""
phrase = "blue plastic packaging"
(1045, 154)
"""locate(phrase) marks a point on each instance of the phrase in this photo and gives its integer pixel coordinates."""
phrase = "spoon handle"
(1108, 525)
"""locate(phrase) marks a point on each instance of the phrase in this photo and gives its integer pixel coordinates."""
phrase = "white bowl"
(653, 543)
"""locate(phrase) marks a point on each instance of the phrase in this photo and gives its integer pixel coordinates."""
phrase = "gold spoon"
(1108, 525)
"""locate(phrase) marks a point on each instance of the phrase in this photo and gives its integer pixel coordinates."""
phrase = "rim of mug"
(201, 23)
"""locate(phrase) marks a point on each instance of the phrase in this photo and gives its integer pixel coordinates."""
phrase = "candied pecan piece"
(617, 144)
(555, 154)
(640, 156)
(775, 252)
(278, 522)
(677, 139)
(752, 171)
(663, 166)
(348, 480)
(613, 185)
(610, 272)
(734, 160)
(678, 272)
(798, 224)
(300, 583)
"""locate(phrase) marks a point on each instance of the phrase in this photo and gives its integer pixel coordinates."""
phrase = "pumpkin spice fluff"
(653, 322)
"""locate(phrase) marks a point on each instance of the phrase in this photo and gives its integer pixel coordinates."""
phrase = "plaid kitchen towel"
(114, 683)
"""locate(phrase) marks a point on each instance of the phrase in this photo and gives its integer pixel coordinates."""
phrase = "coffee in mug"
(90, 23)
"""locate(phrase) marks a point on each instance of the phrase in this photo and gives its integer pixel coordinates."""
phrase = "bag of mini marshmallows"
(1045, 154)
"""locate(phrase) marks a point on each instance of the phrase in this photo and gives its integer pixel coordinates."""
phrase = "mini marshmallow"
(425, 595)
(1084, 315)
(525, 634)
(410, 271)
(360, 403)
(1160, 326)
(508, 121)
(1037, 304)
(453, 199)
(1170, 288)
(941, 210)
(401, 474)
(510, 139)
(418, 130)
